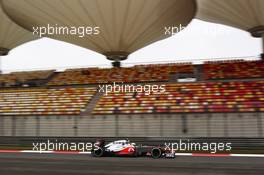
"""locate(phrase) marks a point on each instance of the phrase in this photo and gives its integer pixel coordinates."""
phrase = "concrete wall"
(166, 125)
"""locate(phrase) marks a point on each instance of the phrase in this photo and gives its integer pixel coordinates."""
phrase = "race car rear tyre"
(98, 152)
(156, 153)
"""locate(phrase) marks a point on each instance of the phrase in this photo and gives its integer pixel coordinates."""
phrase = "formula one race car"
(125, 148)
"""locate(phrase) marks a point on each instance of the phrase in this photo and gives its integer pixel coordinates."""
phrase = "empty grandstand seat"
(234, 70)
(19, 78)
(45, 101)
(142, 73)
(215, 97)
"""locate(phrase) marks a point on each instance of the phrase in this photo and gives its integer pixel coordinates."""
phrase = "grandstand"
(226, 100)
(234, 70)
(45, 101)
(24, 78)
(128, 75)
(188, 98)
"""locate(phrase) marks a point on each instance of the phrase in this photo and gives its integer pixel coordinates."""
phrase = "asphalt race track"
(43, 164)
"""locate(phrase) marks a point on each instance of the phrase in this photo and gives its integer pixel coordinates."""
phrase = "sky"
(198, 41)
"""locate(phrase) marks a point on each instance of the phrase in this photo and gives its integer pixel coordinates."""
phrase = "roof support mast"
(3, 52)
(262, 45)
(259, 33)
(116, 57)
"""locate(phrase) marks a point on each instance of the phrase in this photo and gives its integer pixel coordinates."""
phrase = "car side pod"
(156, 153)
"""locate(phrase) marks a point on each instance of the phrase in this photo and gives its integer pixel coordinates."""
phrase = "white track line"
(247, 155)
(84, 152)
(183, 154)
(177, 154)
(31, 151)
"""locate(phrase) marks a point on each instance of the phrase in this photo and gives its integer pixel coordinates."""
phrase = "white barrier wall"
(167, 125)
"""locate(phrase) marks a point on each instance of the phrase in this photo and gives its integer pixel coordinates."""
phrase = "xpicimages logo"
(128, 88)
(80, 31)
(190, 146)
(172, 30)
(63, 146)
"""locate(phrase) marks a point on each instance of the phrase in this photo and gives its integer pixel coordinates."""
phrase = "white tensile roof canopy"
(125, 25)
(11, 34)
(247, 15)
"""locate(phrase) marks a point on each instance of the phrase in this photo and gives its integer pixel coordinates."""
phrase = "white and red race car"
(126, 148)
